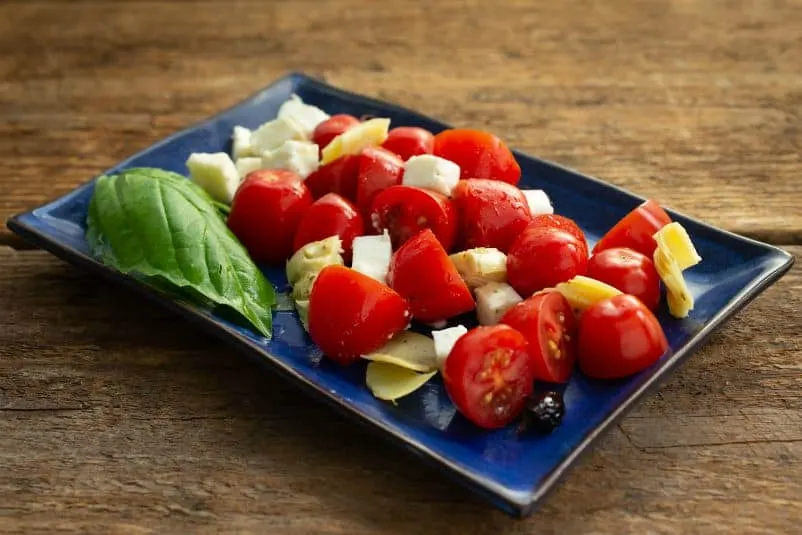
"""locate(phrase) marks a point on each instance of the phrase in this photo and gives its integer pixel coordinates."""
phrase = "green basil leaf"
(158, 224)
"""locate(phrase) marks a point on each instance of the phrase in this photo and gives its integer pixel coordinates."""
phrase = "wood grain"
(695, 104)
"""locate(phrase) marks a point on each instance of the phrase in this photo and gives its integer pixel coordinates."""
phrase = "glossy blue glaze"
(512, 471)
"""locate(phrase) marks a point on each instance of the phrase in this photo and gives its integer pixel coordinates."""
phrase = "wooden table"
(117, 417)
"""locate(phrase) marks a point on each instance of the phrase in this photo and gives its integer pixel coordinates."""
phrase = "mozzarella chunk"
(538, 201)
(297, 156)
(215, 173)
(480, 266)
(273, 134)
(493, 300)
(444, 341)
(366, 134)
(306, 115)
(432, 173)
(241, 143)
(372, 256)
(248, 165)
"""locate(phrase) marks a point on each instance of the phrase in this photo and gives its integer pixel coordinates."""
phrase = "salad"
(382, 228)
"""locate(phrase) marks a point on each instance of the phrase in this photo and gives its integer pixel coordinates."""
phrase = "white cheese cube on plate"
(493, 300)
(432, 173)
(273, 134)
(299, 157)
(306, 115)
(372, 256)
(215, 173)
(241, 143)
(444, 341)
(538, 201)
(248, 165)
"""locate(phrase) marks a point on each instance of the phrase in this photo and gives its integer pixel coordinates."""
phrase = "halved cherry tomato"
(406, 210)
(330, 215)
(409, 141)
(561, 222)
(490, 213)
(339, 176)
(479, 154)
(629, 271)
(351, 314)
(378, 170)
(266, 211)
(618, 337)
(331, 128)
(541, 257)
(635, 230)
(547, 322)
(422, 273)
(489, 375)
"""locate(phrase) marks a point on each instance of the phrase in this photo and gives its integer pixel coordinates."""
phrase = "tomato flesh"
(635, 230)
(618, 337)
(479, 154)
(490, 213)
(331, 128)
(409, 141)
(489, 375)
(330, 215)
(378, 170)
(630, 271)
(547, 322)
(542, 257)
(339, 176)
(406, 210)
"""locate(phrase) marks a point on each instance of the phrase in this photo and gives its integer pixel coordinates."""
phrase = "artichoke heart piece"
(680, 300)
(390, 382)
(369, 133)
(313, 257)
(582, 292)
(408, 350)
(480, 266)
(674, 239)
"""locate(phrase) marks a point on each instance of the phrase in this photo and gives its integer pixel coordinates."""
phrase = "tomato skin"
(619, 337)
(339, 176)
(351, 314)
(331, 128)
(489, 375)
(630, 271)
(547, 322)
(378, 170)
(330, 215)
(561, 222)
(490, 213)
(265, 212)
(479, 154)
(409, 141)
(635, 230)
(406, 210)
(542, 257)
(422, 273)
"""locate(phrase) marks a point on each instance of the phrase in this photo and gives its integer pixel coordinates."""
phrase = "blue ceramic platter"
(513, 472)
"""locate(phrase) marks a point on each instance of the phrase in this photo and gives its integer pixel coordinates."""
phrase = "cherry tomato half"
(547, 322)
(422, 273)
(542, 257)
(619, 336)
(351, 314)
(331, 128)
(265, 212)
(406, 210)
(560, 222)
(409, 141)
(629, 271)
(479, 154)
(378, 170)
(489, 375)
(490, 213)
(330, 215)
(339, 176)
(635, 230)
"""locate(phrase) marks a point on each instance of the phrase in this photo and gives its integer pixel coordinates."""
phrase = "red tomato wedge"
(339, 176)
(378, 170)
(406, 210)
(351, 314)
(266, 211)
(489, 375)
(547, 322)
(479, 154)
(542, 257)
(330, 215)
(331, 128)
(636, 229)
(422, 273)
(490, 213)
(630, 271)
(618, 337)
(409, 141)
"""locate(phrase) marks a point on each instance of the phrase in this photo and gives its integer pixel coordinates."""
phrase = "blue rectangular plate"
(513, 472)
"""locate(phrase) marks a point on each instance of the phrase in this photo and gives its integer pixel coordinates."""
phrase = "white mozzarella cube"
(432, 173)
(493, 300)
(444, 341)
(215, 173)
(248, 165)
(372, 256)
(297, 156)
(273, 134)
(241, 143)
(539, 203)
(306, 115)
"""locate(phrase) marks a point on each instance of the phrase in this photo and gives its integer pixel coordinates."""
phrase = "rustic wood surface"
(116, 417)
